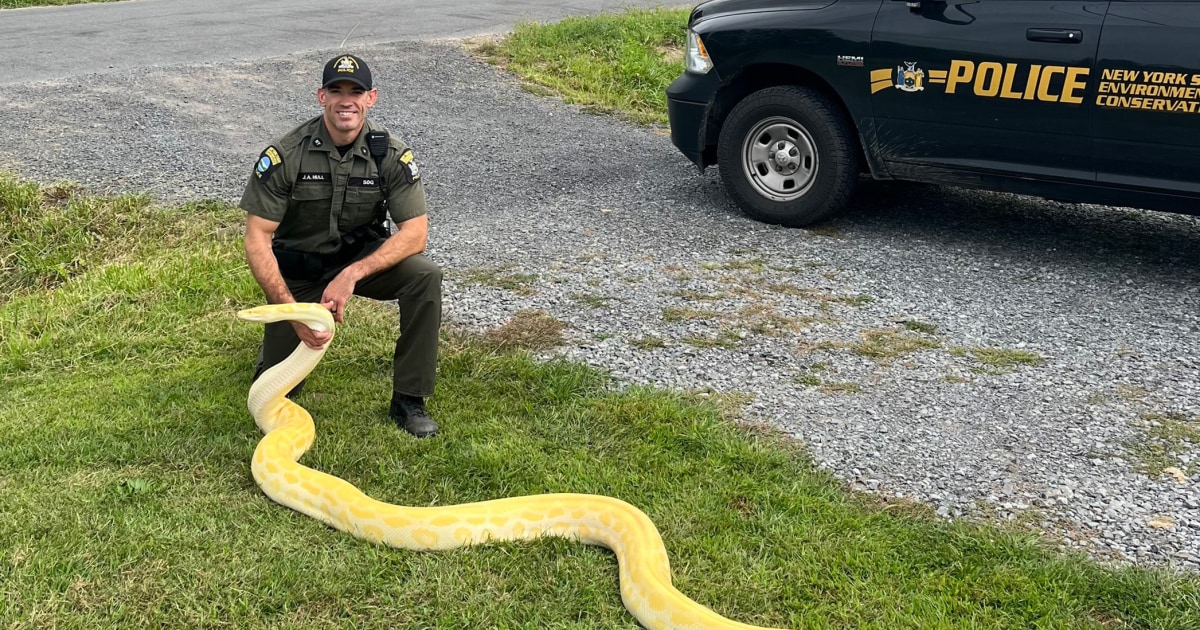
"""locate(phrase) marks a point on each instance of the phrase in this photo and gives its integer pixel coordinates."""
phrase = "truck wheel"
(787, 156)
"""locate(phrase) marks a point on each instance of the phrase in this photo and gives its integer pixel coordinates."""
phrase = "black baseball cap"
(347, 68)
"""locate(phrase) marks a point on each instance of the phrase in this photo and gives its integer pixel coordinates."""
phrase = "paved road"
(61, 42)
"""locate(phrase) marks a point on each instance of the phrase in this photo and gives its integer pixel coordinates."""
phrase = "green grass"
(998, 361)
(614, 63)
(126, 498)
(1165, 437)
(17, 4)
(891, 344)
(921, 327)
(65, 235)
(648, 343)
(500, 278)
(728, 339)
(591, 301)
(810, 377)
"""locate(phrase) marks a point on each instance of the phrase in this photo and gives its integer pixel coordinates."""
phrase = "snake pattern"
(645, 574)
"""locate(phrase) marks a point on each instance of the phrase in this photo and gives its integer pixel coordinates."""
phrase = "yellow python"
(645, 574)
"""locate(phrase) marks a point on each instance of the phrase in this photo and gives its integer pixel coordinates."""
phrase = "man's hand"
(409, 239)
(311, 338)
(338, 292)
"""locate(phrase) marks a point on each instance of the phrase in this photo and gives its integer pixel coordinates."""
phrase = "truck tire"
(787, 156)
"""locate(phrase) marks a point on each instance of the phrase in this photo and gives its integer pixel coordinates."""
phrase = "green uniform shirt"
(317, 195)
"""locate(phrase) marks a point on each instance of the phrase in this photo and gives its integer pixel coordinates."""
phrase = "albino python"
(645, 575)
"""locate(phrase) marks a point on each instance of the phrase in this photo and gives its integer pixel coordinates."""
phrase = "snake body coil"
(645, 574)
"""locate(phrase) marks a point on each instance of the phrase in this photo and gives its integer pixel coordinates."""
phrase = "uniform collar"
(319, 140)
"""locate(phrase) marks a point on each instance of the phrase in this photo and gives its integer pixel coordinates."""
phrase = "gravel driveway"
(994, 356)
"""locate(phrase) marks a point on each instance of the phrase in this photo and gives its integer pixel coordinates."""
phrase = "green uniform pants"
(416, 285)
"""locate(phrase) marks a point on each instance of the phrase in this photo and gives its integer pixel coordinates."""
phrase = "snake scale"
(645, 574)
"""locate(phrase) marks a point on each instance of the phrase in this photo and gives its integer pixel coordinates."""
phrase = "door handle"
(1054, 35)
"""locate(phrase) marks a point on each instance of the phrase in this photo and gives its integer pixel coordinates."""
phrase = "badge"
(411, 172)
(909, 77)
(267, 163)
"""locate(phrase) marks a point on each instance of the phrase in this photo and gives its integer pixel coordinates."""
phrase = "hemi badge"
(853, 61)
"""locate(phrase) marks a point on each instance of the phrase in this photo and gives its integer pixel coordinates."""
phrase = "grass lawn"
(126, 498)
(612, 63)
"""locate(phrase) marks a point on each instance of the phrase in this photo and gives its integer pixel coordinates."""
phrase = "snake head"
(314, 316)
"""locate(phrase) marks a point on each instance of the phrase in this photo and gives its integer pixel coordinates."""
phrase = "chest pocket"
(363, 195)
(308, 212)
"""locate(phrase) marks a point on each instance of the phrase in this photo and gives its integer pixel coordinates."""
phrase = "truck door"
(999, 86)
(1148, 96)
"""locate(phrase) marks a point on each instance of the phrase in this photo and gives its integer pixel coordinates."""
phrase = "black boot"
(408, 412)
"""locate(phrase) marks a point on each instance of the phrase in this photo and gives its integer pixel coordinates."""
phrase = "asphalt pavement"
(44, 43)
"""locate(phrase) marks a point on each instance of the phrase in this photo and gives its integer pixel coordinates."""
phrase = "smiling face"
(345, 106)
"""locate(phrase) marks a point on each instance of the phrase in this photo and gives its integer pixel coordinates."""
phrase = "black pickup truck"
(1075, 100)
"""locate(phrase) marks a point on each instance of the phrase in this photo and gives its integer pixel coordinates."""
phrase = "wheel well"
(754, 78)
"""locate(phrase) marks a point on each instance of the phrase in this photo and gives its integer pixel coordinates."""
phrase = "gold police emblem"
(411, 172)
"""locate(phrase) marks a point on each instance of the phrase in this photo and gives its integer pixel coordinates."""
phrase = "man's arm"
(266, 271)
(262, 260)
(409, 239)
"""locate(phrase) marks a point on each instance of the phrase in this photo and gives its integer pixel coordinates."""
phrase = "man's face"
(345, 105)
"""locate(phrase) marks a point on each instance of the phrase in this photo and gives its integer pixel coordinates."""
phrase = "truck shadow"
(1020, 226)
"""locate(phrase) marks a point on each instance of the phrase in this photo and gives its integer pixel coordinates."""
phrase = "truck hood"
(721, 7)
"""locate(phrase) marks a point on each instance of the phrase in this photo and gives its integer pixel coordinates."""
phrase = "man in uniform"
(316, 203)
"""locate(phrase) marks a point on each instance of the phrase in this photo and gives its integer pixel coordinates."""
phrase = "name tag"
(314, 177)
(364, 182)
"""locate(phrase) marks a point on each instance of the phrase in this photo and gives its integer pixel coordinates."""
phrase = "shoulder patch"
(409, 164)
(267, 163)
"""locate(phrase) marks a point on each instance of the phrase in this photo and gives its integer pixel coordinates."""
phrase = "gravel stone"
(661, 281)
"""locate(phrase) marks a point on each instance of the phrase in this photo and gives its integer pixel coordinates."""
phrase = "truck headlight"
(697, 57)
